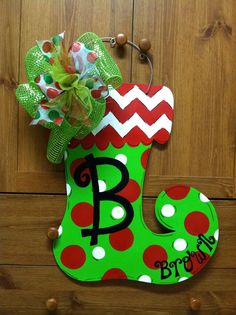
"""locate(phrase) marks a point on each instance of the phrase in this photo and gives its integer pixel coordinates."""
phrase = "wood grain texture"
(194, 52)
(213, 187)
(9, 70)
(25, 219)
(24, 290)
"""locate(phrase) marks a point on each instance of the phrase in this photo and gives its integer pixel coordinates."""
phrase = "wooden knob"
(144, 44)
(195, 304)
(121, 39)
(51, 304)
(52, 233)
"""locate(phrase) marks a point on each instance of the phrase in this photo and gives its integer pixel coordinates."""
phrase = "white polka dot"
(216, 235)
(98, 252)
(60, 230)
(167, 211)
(68, 189)
(122, 158)
(102, 185)
(145, 278)
(180, 244)
(183, 279)
(203, 198)
(117, 213)
(65, 155)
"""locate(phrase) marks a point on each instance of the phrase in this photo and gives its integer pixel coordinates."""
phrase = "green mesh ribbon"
(69, 101)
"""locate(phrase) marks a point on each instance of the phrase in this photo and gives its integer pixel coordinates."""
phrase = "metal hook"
(142, 55)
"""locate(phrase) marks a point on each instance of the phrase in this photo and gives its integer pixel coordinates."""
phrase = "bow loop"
(105, 63)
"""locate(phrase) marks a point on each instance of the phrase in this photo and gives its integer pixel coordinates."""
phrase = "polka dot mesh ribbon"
(67, 90)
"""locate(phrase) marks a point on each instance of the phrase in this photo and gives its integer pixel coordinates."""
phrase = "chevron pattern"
(164, 94)
(133, 117)
(134, 121)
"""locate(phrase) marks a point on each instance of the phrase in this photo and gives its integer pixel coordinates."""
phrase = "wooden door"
(194, 53)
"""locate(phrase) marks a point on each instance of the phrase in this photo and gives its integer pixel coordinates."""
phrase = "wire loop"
(142, 55)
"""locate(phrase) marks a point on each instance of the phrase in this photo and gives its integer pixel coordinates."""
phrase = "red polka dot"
(196, 223)
(47, 47)
(131, 191)
(75, 164)
(51, 60)
(45, 107)
(114, 273)
(57, 86)
(73, 143)
(103, 88)
(52, 93)
(92, 57)
(44, 101)
(82, 214)
(121, 240)
(73, 257)
(75, 47)
(195, 262)
(42, 121)
(152, 254)
(178, 192)
(70, 69)
(37, 79)
(144, 158)
(96, 93)
(58, 121)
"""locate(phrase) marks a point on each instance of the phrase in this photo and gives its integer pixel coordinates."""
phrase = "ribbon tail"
(59, 139)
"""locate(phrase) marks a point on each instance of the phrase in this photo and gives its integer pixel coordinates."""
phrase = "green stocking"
(103, 234)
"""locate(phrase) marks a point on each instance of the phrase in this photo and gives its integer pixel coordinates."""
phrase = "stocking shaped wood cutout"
(103, 234)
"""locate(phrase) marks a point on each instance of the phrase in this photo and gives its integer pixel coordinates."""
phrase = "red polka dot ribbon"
(70, 84)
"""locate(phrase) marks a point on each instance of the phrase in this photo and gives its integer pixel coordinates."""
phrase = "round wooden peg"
(121, 39)
(144, 45)
(195, 304)
(52, 233)
(51, 304)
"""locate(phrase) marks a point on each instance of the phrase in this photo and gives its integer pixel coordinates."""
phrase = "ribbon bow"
(70, 84)
(67, 90)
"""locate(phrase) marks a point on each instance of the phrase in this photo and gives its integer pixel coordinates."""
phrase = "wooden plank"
(213, 187)
(24, 220)
(194, 52)
(76, 17)
(25, 289)
(9, 69)
(30, 182)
